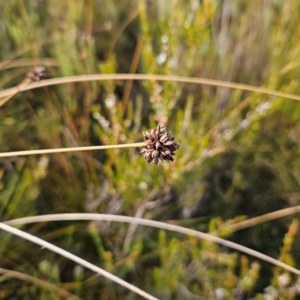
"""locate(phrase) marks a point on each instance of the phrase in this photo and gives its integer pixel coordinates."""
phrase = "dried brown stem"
(132, 70)
(73, 149)
(36, 281)
(75, 258)
(265, 218)
(156, 224)
(28, 62)
(95, 77)
(25, 82)
(132, 15)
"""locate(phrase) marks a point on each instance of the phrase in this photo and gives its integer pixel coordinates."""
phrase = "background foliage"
(239, 152)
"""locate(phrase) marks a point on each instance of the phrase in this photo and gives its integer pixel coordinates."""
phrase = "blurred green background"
(239, 155)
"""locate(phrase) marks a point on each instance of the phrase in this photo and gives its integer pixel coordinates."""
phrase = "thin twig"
(132, 228)
(25, 82)
(205, 81)
(264, 218)
(156, 224)
(132, 70)
(12, 76)
(28, 62)
(231, 115)
(132, 15)
(139, 214)
(213, 130)
(27, 25)
(76, 259)
(26, 48)
(36, 281)
(71, 149)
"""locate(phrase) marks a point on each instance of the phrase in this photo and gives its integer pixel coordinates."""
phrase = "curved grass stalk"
(25, 82)
(28, 62)
(264, 218)
(12, 76)
(63, 294)
(76, 259)
(26, 48)
(71, 149)
(156, 224)
(95, 77)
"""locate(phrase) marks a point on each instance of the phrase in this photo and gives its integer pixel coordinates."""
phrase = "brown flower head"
(37, 73)
(160, 145)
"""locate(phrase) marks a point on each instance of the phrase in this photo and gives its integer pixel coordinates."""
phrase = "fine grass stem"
(25, 82)
(156, 224)
(75, 258)
(264, 218)
(63, 294)
(28, 62)
(183, 79)
(71, 149)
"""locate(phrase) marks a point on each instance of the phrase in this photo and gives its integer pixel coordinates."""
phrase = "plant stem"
(156, 224)
(64, 294)
(97, 77)
(25, 82)
(73, 149)
(75, 258)
(264, 218)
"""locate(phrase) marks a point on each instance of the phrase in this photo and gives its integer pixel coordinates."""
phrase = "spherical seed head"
(160, 145)
(157, 145)
(37, 73)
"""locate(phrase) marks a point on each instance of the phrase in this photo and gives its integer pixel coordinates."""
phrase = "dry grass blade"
(132, 15)
(75, 258)
(71, 149)
(34, 74)
(231, 115)
(132, 70)
(27, 62)
(25, 82)
(63, 294)
(264, 218)
(95, 77)
(156, 224)
(23, 49)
